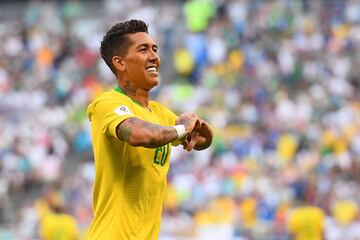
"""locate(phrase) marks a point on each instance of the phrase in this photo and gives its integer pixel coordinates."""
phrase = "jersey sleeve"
(109, 114)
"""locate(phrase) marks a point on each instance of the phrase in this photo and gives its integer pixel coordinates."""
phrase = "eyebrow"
(146, 45)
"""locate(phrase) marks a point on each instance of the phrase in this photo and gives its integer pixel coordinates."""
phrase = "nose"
(154, 56)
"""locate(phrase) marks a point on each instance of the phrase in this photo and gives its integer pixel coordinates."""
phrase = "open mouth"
(151, 69)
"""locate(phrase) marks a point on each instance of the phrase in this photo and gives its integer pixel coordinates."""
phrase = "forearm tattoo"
(160, 135)
(155, 135)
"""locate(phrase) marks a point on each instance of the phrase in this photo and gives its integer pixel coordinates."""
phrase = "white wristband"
(180, 130)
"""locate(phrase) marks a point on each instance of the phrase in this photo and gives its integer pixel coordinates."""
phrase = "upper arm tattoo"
(124, 129)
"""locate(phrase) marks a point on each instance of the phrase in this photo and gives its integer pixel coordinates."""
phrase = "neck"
(142, 97)
(139, 95)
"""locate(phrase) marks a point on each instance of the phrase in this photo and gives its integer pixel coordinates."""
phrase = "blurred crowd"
(278, 80)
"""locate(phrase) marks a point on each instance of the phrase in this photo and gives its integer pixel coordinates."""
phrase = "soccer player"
(306, 221)
(132, 138)
(55, 223)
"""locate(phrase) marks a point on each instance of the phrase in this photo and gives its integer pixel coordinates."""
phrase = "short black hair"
(116, 40)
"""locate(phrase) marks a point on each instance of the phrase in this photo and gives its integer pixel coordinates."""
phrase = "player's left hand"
(200, 138)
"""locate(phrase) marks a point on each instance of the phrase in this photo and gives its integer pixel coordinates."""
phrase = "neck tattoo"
(129, 88)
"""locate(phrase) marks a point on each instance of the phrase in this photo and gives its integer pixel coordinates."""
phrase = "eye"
(142, 50)
(155, 49)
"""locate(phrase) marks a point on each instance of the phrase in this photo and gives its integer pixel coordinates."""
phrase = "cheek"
(135, 68)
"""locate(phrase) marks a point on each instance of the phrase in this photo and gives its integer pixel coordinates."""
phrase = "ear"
(118, 63)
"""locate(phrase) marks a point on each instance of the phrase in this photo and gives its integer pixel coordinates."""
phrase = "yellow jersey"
(307, 223)
(345, 212)
(130, 182)
(58, 226)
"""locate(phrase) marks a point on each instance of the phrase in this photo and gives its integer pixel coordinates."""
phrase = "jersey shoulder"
(106, 99)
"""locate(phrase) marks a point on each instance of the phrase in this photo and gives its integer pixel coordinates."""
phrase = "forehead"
(140, 38)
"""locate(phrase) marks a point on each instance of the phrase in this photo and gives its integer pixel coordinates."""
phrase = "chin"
(151, 84)
(154, 82)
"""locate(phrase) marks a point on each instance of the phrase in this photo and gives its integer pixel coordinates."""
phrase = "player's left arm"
(200, 138)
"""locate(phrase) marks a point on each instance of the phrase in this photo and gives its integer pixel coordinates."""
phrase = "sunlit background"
(279, 81)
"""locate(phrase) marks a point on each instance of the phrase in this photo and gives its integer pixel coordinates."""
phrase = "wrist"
(181, 131)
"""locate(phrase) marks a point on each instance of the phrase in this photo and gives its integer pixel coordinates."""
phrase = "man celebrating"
(132, 138)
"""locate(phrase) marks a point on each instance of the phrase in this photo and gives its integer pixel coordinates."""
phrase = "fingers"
(190, 141)
(205, 130)
(198, 124)
(193, 141)
(185, 142)
(198, 131)
(189, 121)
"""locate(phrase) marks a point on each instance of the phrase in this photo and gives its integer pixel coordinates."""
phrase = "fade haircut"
(116, 40)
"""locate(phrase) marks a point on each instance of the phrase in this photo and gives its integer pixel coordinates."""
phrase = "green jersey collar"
(118, 89)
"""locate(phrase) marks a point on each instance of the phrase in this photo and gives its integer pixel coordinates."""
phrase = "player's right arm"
(138, 132)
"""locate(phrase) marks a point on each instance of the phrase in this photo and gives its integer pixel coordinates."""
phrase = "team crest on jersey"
(122, 110)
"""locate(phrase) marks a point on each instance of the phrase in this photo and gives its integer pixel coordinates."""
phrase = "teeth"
(151, 69)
